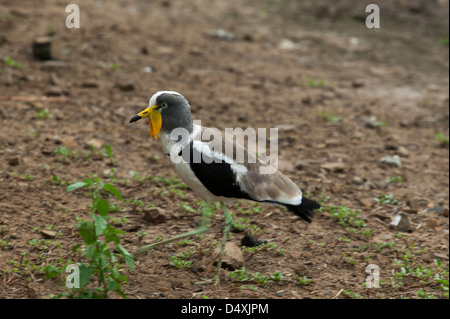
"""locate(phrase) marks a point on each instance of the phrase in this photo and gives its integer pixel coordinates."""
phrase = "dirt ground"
(343, 96)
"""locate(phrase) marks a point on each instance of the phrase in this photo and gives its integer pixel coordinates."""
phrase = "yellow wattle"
(151, 127)
(155, 123)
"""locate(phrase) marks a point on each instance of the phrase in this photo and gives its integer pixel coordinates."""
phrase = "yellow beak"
(155, 119)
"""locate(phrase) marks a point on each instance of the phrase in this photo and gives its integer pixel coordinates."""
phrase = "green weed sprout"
(103, 247)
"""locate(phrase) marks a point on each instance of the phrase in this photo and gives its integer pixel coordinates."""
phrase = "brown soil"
(321, 94)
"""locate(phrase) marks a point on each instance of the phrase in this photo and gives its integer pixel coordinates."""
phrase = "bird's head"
(167, 110)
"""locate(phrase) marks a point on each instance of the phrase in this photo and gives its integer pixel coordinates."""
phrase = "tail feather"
(305, 210)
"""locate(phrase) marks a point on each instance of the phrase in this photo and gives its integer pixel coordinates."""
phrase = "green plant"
(329, 116)
(304, 280)
(387, 199)
(344, 239)
(56, 180)
(351, 294)
(315, 83)
(395, 179)
(5, 245)
(260, 279)
(108, 151)
(185, 242)
(444, 41)
(374, 122)
(140, 235)
(28, 177)
(187, 208)
(346, 216)
(379, 247)
(277, 275)
(50, 29)
(241, 275)
(422, 294)
(262, 247)
(109, 154)
(412, 273)
(63, 153)
(442, 138)
(100, 259)
(137, 177)
(351, 261)
(44, 114)
(10, 62)
(179, 261)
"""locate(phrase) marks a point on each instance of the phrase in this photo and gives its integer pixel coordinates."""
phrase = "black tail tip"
(305, 210)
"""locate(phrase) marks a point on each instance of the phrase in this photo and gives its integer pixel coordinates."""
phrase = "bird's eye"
(164, 105)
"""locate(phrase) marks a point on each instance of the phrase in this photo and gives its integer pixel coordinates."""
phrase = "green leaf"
(100, 225)
(74, 249)
(111, 234)
(110, 188)
(112, 238)
(90, 250)
(88, 181)
(85, 274)
(112, 230)
(74, 186)
(111, 284)
(109, 152)
(87, 232)
(102, 206)
(52, 271)
(129, 259)
(102, 262)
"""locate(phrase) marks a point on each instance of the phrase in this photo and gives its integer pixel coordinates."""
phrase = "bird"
(215, 175)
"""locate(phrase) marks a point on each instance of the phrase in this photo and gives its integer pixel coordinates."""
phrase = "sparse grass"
(28, 177)
(328, 116)
(246, 208)
(303, 281)
(444, 41)
(44, 114)
(114, 66)
(408, 279)
(374, 122)
(387, 199)
(379, 247)
(64, 154)
(313, 83)
(187, 208)
(5, 245)
(179, 262)
(442, 139)
(414, 274)
(351, 294)
(12, 63)
(346, 217)
(395, 179)
(57, 180)
(241, 275)
(185, 242)
(262, 247)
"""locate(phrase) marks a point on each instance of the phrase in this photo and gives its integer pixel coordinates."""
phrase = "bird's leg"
(226, 231)
(203, 228)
